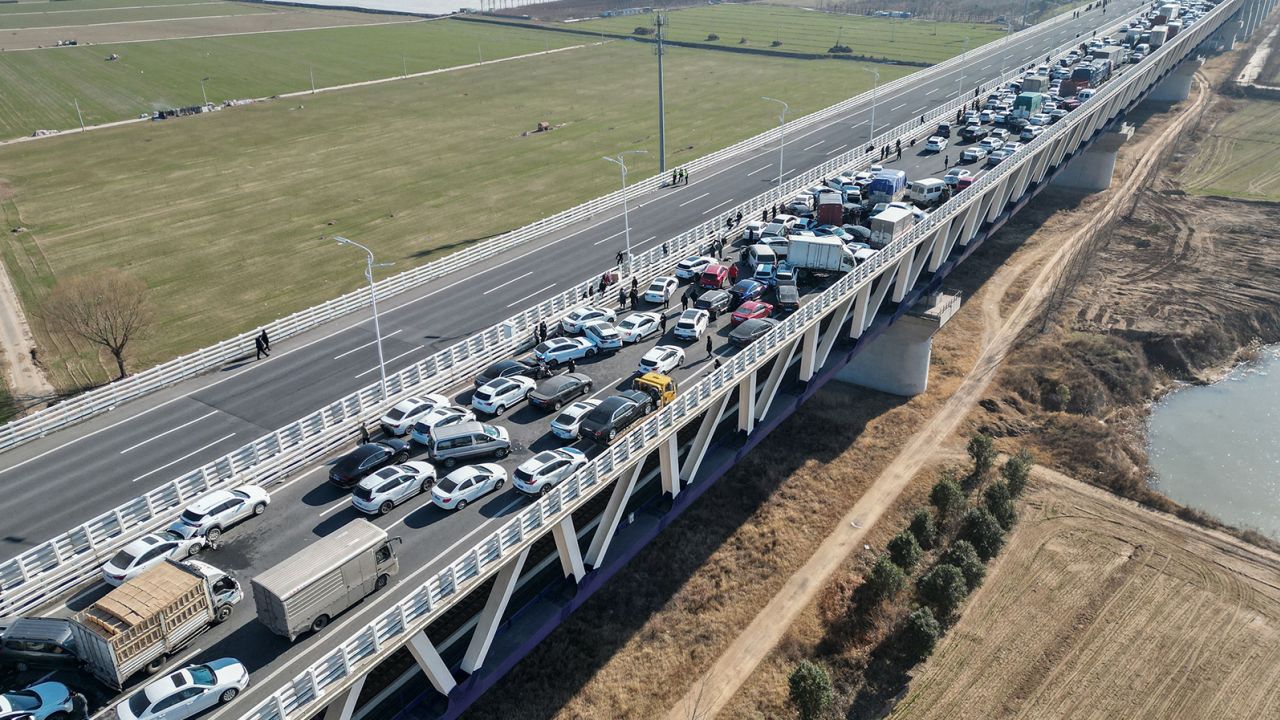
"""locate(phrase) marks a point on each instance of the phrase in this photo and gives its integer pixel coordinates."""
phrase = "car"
(1031, 132)
(662, 359)
(468, 484)
(990, 145)
(935, 143)
(943, 131)
(692, 266)
(661, 289)
(954, 174)
(350, 468)
(542, 472)
(692, 323)
(563, 349)
(764, 273)
(557, 390)
(1002, 117)
(751, 231)
(1039, 119)
(999, 134)
(998, 156)
(565, 426)
(638, 326)
(1056, 115)
(42, 701)
(36, 642)
(973, 154)
(788, 297)
(784, 274)
(751, 330)
(974, 133)
(187, 692)
(380, 492)
(986, 117)
(506, 368)
(576, 320)
(614, 415)
(963, 183)
(714, 277)
(836, 230)
(219, 510)
(714, 301)
(441, 417)
(746, 290)
(402, 415)
(603, 335)
(751, 310)
(147, 552)
(495, 397)
(1012, 146)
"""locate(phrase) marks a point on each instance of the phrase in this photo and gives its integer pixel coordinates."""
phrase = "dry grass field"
(1100, 609)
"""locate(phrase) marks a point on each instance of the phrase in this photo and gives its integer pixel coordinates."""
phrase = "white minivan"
(760, 253)
(926, 192)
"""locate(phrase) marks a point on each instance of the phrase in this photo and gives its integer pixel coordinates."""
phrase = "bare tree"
(108, 308)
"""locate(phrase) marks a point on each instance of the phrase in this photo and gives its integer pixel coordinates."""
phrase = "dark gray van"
(468, 440)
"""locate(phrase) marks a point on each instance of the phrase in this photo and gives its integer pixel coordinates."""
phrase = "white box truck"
(824, 254)
(891, 224)
(335, 572)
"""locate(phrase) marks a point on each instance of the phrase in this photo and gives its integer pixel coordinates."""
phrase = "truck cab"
(661, 388)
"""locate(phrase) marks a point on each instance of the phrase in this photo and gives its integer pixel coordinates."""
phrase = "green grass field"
(226, 216)
(806, 31)
(42, 86)
(84, 12)
(26, 7)
(1240, 157)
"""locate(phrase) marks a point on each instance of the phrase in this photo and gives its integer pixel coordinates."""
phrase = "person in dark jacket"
(710, 345)
(635, 298)
(364, 434)
(266, 341)
(262, 350)
(622, 299)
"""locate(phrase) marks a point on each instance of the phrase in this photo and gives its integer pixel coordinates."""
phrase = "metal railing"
(364, 648)
(102, 399)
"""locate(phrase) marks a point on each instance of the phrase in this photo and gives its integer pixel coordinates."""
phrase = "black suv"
(370, 457)
(506, 368)
(560, 389)
(615, 415)
(715, 302)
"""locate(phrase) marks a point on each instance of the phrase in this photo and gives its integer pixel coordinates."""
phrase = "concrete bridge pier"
(1225, 37)
(1176, 86)
(898, 361)
(1092, 169)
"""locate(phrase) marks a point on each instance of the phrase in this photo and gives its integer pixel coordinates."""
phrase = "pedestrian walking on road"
(684, 302)
(717, 364)
(663, 322)
(666, 300)
(266, 341)
(733, 273)
(635, 298)
(573, 366)
(262, 350)
(946, 161)
(79, 706)
(665, 249)
(364, 434)
(635, 284)
(618, 260)
(738, 220)
(921, 119)
(764, 215)
(710, 345)
(622, 299)
(542, 331)
(675, 174)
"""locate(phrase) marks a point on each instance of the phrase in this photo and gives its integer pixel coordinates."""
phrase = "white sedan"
(563, 349)
(692, 266)
(574, 321)
(991, 144)
(662, 359)
(378, 493)
(540, 473)
(219, 510)
(638, 326)
(973, 154)
(468, 484)
(149, 551)
(188, 692)
(692, 323)
(405, 413)
(566, 424)
(440, 417)
(495, 396)
(936, 143)
(661, 289)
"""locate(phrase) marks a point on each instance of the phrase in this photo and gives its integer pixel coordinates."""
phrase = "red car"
(965, 182)
(714, 277)
(751, 310)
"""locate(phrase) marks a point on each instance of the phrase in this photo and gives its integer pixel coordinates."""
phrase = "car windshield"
(202, 675)
(448, 484)
(491, 431)
(123, 559)
(192, 516)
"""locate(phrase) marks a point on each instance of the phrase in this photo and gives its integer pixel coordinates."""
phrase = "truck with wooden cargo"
(306, 591)
(891, 224)
(137, 626)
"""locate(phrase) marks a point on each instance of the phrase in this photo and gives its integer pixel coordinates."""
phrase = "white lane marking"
(526, 297)
(651, 237)
(897, 107)
(838, 150)
(612, 384)
(713, 209)
(338, 506)
(389, 361)
(166, 432)
(922, 109)
(184, 457)
(361, 347)
(495, 288)
(810, 147)
(602, 241)
(694, 200)
(753, 172)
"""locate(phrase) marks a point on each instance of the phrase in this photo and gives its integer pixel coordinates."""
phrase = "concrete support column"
(747, 404)
(567, 547)
(431, 663)
(613, 515)
(1176, 86)
(809, 354)
(771, 384)
(702, 441)
(342, 708)
(898, 361)
(1092, 169)
(491, 616)
(1226, 35)
(669, 460)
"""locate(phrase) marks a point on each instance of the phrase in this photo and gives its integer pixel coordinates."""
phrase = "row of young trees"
(963, 532)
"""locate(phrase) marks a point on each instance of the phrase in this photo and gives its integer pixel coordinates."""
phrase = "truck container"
(1068, 88)
(1082, 76)
(335, 572)
(1159, 34)
(1112, 53)
(819, 254)
(887, 186)
(830, 209)
(1027, 104)
(890, 225)
(140, 624)
(1175, 27)
(1035, 83)
(1170, 10)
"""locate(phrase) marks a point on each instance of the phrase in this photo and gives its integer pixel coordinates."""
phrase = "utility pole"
(661, 22)
(312, 72)
(77, 102)
(203, 94)
(782, 131)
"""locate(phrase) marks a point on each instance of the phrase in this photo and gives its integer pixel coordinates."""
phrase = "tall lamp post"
(621, 162)
(963, 55)
(871, 134)
(373, 297)
(782, 129)
(203, 94)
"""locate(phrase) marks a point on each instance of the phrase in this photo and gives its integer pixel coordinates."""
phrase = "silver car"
(379, 493)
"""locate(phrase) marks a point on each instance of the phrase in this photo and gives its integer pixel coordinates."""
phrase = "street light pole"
(871, 134)
(963, 55)
(373, 297)
(661, 22)
(202, 92)
(782, 129)
(620, 161)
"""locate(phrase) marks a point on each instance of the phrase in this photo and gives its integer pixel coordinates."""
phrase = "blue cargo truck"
(887, 186)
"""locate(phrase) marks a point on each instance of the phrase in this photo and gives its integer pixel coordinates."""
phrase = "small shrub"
(944, 589)
(1016, 471)
(811, 691)
(999, 500)
(712, 37)
(904, 550)
(962, 555)
(920, 633)
(947, 497)
(923, 528)
(845, 49)
(776, 43)
(983, 531)
(742, 41)
(885, 579)
(642, 31)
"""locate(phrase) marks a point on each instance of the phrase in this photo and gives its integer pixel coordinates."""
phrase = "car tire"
(461, 505)
(497, 412)
(382, 581)
(450, 462)
(194, 550)
(591, 352)
(386, 507)
(553, 364)
(259, 508)
(228, 695)
(426, 486)
(222, 613)
(320, 623)
(555, 406)
(213, 534)
(155, 665)
(400, 457)
(612, 434)
(21, 667)
(498, 485)
(501, 452)
(546, 490)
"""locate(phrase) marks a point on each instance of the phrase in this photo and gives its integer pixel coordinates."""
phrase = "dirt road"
(708, 695)
(22, 376)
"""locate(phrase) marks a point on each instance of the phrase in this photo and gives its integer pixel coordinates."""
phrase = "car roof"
(504, 364)
(210, 501)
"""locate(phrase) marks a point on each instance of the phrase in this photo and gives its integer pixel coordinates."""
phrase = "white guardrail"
(52, 568)
(107, 397)
(365, 647)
